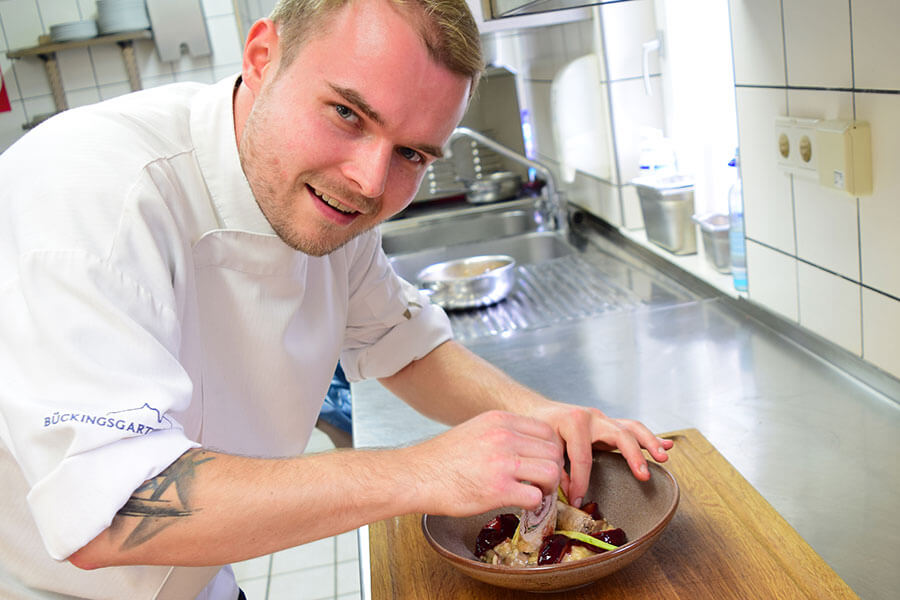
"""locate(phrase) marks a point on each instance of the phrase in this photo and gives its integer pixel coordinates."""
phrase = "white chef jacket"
(147, 307)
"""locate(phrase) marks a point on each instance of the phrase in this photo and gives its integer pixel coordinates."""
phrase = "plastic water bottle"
(736, 230)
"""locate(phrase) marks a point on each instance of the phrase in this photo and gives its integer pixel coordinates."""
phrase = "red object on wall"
(4, 97)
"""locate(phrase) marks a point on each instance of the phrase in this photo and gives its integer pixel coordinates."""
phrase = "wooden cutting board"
(725, 541)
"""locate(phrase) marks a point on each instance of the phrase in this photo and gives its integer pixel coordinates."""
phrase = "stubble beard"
(276, 207)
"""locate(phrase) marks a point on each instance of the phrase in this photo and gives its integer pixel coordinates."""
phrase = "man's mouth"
(334, 203)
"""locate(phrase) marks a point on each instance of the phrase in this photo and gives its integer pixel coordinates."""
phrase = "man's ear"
(261, 53)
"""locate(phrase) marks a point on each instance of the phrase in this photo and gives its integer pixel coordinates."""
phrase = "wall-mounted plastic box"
(845, 156)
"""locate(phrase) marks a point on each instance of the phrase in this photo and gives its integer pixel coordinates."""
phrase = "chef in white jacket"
(180, 271)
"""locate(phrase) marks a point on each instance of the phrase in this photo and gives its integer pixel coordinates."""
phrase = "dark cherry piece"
(553, 549)
(616, 537)
(495, 532)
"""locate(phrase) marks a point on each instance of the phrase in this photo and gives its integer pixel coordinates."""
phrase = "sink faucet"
(550, 209)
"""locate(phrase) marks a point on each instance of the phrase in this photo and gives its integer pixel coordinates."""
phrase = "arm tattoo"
(158, 509)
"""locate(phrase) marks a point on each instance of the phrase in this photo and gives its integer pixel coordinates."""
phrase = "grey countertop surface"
(819, 445)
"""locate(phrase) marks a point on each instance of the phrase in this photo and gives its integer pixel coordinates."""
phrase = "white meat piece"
(535, 525)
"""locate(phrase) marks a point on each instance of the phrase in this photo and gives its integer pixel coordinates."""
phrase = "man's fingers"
(542, 473)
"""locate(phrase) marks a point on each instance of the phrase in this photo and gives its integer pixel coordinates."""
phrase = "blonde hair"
(446, 27)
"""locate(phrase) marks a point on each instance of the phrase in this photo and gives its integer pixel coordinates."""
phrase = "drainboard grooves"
(556, 291)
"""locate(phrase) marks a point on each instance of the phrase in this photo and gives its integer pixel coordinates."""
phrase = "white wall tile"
(39, 105)
(87, 9)
(111, 90)
(21, 23)
(223, 71)
(148, 61)
(317, 582)
(30, 75)
(820, 104)
(76, 69)
(876, 44)
(347, 577)
(90, 95)
(772, 279)
(188, 64)
(827, 227)
(758, 42)
(830, 306)
(817, 42)
(212, 8)
(347, 546)
(54, 12)
(11, 124)
(224, 40)
(880, 212)
(109, 64)
(626, 26)
(252, 568)
(768, 205)
(881, 325)
(314, 554)
(200, 76)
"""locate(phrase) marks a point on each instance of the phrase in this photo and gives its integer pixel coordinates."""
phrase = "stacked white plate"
(77, 30)
(115, 16)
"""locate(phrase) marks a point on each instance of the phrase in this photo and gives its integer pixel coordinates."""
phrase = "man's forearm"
(209, 508)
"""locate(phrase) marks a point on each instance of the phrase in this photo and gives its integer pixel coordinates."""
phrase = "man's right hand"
(492, 460)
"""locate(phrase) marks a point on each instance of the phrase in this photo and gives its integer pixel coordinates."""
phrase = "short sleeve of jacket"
(390, 323)
(89, 377)
(89, 349)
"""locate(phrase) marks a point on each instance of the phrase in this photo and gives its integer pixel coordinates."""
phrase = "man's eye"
(344, 112)
(410, 155)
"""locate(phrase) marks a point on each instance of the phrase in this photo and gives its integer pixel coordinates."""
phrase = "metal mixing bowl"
(501, 185)
(469, 282)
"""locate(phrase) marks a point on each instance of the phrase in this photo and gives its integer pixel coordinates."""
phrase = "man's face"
(339, 140)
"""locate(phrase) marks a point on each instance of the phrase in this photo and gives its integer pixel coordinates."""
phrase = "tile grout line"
(334, 567)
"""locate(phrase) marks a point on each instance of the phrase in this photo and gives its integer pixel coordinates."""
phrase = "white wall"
(825, 260)
(97, 73)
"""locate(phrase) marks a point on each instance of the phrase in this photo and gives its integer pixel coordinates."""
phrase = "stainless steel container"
(714, 229)
(469, 282)
(667, 204)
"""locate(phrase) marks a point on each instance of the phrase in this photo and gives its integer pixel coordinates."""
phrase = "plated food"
(642, 509)
(554, 533)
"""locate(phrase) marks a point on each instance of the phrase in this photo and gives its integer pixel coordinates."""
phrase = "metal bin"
(714, 229)
(667, 204)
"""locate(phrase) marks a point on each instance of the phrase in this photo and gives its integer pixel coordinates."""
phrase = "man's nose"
(369, 167)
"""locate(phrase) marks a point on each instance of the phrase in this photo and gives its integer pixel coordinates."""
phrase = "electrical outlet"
(795, 144)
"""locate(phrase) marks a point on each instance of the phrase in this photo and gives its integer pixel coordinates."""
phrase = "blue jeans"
(336, 409)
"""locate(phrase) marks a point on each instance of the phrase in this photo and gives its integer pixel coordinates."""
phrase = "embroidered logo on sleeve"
(141, 420)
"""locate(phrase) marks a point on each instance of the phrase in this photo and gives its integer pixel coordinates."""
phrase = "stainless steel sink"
(560, 276)
(404, 237)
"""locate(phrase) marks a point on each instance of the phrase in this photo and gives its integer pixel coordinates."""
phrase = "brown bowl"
(641, 509)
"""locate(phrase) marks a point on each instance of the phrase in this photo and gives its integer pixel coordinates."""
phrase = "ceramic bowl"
(641, 509)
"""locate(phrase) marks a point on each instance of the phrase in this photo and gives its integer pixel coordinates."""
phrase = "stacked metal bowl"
(116, 16)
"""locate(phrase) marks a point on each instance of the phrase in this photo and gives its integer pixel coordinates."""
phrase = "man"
(197, 258)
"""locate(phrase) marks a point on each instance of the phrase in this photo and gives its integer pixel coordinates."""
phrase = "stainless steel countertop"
(819, 445)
